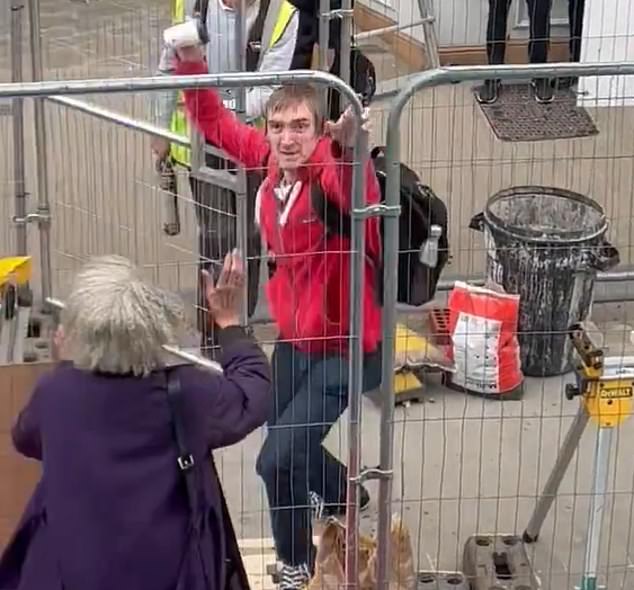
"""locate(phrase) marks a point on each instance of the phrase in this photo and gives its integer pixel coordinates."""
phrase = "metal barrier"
(123, 235)
(489, 508)
(94, 209)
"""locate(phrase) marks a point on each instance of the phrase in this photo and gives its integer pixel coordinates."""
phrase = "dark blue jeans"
(311, 392)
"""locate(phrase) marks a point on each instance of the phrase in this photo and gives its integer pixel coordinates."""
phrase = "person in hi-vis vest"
(291, 36)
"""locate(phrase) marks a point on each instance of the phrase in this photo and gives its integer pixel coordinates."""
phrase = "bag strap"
(255, 33)
(201, 8)
(336, 221)
(185, 458)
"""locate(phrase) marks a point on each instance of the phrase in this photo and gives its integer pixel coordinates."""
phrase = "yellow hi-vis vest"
(179, 124)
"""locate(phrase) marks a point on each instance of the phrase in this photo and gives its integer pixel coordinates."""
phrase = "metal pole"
(43, 206)
(567, 451)
(429, 32)
(346, 40)
(614, 276)
(324, 41)
(357, 262)
(355, 386)
(390, 278)
(242, 222)
(17, 12)
(384, 30)
(425, 79)
(597, 507)
(119, 119)
(324, 34)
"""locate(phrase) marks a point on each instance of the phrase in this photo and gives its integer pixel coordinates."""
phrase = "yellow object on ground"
(412, 351)
(406, 382)
(16, 267)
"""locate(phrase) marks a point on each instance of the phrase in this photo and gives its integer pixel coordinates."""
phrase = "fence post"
(17, 12)
(242, 184)
(390, 277)
(324, 35)
(41, 164)
(346, 40)
(429, 35)
(355, 380)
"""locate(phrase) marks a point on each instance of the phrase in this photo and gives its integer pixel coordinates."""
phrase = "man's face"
(292, 135)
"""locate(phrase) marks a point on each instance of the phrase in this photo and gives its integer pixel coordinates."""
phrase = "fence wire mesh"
(79, 40)
(462, 465)
(466, 466)
(104, 199)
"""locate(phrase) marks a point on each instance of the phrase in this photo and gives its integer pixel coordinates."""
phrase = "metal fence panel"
(102, 203)
(464, 465)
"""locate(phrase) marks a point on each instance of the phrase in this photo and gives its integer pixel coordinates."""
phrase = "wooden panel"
(18, 475)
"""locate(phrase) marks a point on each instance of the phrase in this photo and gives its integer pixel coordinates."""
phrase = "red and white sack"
(485, 350)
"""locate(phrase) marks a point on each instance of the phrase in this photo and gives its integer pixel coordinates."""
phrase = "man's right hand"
(160, 147)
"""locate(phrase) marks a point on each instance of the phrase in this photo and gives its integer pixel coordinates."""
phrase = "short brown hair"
(289, 96)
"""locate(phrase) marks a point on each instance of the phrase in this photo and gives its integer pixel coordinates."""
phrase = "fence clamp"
(373, 473)
(378, 210)
(41, 218)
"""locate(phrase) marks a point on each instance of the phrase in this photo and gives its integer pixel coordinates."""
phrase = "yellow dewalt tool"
(15, 307)
(605, 386)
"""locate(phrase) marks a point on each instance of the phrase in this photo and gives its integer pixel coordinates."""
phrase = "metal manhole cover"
(516, 116)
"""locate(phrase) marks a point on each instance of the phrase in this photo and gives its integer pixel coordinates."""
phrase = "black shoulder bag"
(185, 458)
(236, 578)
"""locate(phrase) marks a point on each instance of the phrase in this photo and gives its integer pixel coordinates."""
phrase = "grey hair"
(116, 322)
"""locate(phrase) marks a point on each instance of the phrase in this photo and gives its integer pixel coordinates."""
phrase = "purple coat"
(111, 510)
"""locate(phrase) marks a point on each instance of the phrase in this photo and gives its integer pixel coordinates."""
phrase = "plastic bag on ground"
(485, 349)
(330, 560)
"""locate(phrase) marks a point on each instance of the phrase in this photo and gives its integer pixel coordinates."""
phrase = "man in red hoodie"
(308, 295)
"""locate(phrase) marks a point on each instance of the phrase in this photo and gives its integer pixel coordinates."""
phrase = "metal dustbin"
(546, 245)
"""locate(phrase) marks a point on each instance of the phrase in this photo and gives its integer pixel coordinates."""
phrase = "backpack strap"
(201, 8)
(336, 221)
(185, 458)
(257, 30)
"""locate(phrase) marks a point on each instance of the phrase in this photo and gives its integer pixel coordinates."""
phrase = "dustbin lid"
(546, 214)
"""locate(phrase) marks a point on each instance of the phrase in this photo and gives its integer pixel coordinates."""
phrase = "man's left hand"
(344, 130)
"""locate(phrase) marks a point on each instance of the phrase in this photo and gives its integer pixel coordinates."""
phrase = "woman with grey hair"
(129, 497)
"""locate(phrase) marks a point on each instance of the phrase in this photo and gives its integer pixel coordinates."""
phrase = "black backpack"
(362, 80)
(420, 210)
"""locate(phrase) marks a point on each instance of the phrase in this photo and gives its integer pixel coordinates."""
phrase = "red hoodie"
(309, 292)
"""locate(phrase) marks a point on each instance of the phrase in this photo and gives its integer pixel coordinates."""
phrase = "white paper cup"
(183, 35)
